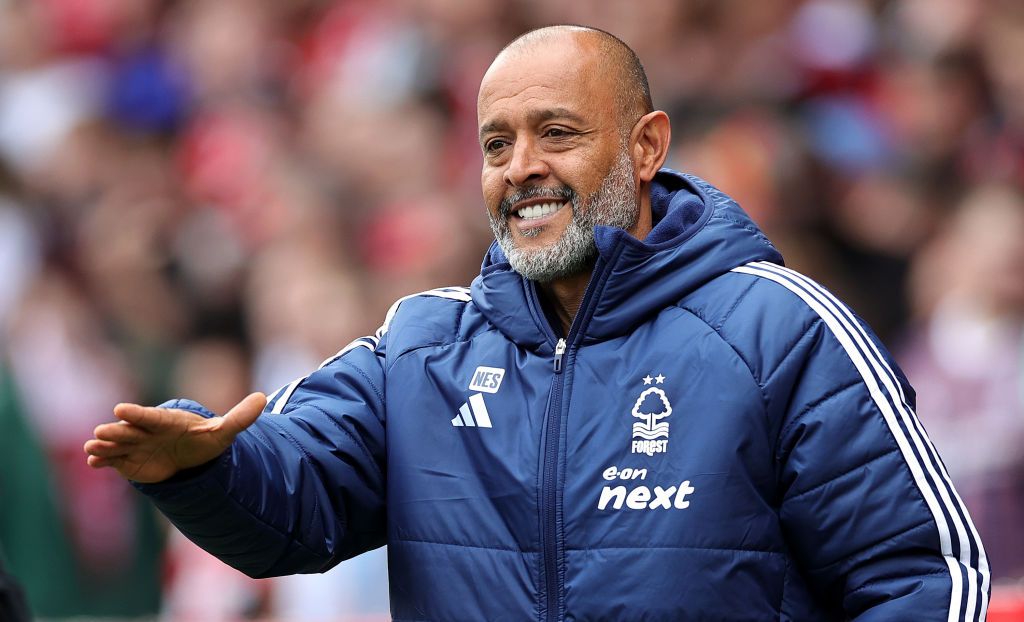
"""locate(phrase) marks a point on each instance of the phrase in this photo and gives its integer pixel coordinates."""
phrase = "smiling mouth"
(540, 210)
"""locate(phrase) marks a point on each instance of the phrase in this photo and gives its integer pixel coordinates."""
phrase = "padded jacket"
(716, 438)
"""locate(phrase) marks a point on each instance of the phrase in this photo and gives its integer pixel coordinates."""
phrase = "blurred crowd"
(206, 197)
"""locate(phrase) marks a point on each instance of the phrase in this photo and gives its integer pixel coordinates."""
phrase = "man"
(634, 412)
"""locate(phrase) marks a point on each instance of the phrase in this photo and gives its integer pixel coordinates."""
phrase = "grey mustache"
(564, 192)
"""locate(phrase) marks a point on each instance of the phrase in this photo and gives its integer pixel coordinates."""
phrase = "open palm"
(150, 444)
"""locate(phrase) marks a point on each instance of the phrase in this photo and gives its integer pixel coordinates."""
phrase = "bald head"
(570, 142)
(616, 61)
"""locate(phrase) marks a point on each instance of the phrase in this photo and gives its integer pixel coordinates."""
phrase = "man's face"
(555, 158)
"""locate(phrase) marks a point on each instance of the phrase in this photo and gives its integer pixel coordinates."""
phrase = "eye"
(557, 132)
(495, 145)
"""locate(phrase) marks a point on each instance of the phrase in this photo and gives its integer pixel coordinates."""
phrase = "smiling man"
(634, 413)
(558, 161)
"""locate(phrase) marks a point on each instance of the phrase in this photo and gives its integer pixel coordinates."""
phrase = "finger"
(97, 462)
(120, 432)
(105, 449)
(141, 416)
(152, 418)
(120, 464)
(243, 414)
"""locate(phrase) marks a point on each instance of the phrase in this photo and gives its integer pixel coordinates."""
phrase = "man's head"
(570, 141)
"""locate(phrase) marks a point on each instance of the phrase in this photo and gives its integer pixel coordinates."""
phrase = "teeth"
(539, 211)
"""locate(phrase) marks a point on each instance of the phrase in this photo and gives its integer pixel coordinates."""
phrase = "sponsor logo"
(486, 379)
(650, 434)
(641, 497)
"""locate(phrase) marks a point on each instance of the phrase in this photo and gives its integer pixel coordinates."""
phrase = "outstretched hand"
(150, 444)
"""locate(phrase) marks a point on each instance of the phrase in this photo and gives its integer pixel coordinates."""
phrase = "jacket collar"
(699, 234)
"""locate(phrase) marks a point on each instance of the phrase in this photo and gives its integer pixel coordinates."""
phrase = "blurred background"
(208, 197)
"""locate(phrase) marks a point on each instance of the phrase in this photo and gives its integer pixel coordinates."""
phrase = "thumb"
(243, 414)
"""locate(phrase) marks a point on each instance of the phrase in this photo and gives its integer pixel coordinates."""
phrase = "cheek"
(581, 173)
(493, 188)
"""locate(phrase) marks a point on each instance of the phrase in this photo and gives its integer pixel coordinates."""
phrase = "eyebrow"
(534, 117)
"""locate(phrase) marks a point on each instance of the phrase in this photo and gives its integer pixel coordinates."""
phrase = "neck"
(566, 294)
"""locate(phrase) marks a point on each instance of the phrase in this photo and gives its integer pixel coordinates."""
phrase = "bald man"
(634, 413)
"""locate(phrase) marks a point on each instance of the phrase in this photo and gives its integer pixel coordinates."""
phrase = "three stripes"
(473, 413)
(928, 472)
(369, 342)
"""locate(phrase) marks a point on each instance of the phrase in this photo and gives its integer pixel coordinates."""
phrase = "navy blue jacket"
(717, 438)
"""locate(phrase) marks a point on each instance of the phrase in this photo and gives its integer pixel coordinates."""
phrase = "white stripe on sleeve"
(913, 424)
(372, 341)
(287, 393)
(867, 360)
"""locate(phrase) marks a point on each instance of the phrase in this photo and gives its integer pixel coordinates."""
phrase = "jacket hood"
(699, 234)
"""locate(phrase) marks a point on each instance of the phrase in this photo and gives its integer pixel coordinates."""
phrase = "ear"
(649, 139)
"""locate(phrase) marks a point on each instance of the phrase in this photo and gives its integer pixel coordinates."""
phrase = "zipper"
(549, 486)
(550, 536)
(559, 355)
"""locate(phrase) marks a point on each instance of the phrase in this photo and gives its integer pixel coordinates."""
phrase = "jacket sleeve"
(303, 488)
(865, 501)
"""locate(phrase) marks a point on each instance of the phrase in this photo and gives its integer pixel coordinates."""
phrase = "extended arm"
(297, 489)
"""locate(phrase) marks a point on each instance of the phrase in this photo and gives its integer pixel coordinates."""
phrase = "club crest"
(650, 434)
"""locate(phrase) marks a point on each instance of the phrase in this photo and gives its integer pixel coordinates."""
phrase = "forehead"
(561, 74)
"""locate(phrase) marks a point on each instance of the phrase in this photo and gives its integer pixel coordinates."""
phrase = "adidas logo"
(473, 413)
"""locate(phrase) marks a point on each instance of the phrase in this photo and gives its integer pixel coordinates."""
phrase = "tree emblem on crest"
(651, 406)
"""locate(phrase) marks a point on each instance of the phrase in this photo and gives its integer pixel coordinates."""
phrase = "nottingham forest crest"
(650, 434)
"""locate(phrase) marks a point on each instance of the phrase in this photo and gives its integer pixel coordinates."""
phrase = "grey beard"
(613, 204)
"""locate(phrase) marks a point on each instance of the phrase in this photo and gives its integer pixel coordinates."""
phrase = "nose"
(526, 165)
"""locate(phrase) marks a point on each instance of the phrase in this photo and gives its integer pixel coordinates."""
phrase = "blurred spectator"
(80, 541)
(197, 586)
(967, 363)
(206, 197)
